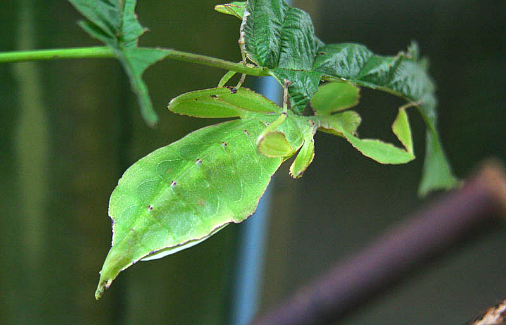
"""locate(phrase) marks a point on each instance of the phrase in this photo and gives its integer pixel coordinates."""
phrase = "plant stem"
(105, 52)
(56, 54)
(217, 63)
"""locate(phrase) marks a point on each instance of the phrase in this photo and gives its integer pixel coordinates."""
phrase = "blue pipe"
(252, 241)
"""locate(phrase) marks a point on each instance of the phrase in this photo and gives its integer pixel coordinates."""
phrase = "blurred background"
(68, 130)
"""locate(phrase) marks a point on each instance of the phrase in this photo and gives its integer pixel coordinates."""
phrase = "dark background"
(68, 129)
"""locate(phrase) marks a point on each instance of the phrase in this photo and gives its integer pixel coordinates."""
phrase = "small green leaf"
(384, 153)
(437, 173)
(349, 121)
(304, 157)
(221, 103)
(275, 144)
(235, 9)
(113, 18)
(334, 97)
(402, 130)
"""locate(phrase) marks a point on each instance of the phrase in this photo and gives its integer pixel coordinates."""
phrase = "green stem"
(105, 52)
(56, 54)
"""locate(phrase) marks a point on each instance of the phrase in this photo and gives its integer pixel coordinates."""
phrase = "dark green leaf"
(303, 85)
(114, 22)
(281, 38)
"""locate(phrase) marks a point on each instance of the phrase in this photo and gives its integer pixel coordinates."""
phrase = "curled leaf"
(275, 144)
(304, 157)
(334, 97)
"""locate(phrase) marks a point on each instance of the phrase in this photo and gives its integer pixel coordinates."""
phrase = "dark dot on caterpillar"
(224, 144)
(214, 96)
(198, 162)
(150, 208)
(246, 132)
(132, 229)
(267, 123)
(173, 183)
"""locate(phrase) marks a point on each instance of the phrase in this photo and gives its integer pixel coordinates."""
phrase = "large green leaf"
(183, 193)
(114, 22)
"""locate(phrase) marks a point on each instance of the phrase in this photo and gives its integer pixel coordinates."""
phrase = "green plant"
(183, 193)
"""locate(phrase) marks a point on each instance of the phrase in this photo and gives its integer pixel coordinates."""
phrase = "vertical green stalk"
(31, 143)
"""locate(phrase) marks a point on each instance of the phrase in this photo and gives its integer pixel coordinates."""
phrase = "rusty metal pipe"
(425, 234)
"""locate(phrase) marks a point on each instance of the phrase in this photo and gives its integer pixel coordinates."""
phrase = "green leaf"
(278, 36)
(402, 130)
(304, 157)
(135, 61)
(114, 22)
(181, 194)
(349, 121)
(275, 144)
(437, 173)
(235, 9)
(403, 75)
(221, 103)
(385, 153)
(113, 18)
(281, 38)
(303, 85)
(334, 97)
